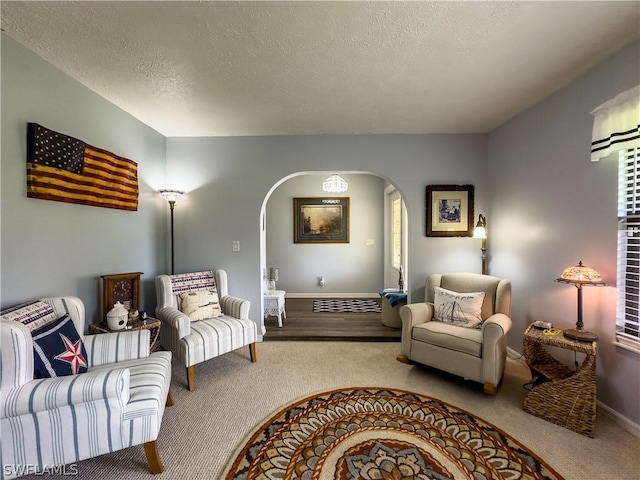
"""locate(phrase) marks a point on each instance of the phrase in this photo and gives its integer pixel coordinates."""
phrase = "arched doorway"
(358, 269)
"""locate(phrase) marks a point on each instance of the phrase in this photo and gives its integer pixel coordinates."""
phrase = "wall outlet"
(236, 246)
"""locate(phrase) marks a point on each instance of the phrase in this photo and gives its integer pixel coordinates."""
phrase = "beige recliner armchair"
(475, 352)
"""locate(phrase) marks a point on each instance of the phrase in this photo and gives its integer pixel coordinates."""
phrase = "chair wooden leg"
(169, 399)
(404, 359)
(490, 389)
(153, 457)
(191, 378)
(252, 352)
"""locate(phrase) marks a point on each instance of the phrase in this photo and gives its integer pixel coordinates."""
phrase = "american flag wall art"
(65, 169)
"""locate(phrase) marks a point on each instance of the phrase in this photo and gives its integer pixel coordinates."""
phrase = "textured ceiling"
(274, 68)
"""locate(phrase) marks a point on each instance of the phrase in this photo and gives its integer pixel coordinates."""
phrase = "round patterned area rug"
(372, 433)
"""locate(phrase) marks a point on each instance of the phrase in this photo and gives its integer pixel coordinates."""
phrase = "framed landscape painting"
(449, 210)
(321, 220)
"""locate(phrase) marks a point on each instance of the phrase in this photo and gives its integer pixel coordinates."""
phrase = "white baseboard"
(624, 422)
(513, 355)
(332, 295)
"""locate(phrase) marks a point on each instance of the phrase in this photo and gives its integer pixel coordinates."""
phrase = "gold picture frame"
(321, 220)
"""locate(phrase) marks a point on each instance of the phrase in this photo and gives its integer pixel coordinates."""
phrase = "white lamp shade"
(171, 195)
(479, 232)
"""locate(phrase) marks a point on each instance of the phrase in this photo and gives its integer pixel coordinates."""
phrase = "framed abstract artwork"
(321, 220)
(449, 210)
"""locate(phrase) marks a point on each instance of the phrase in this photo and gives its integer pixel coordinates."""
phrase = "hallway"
(303, 324)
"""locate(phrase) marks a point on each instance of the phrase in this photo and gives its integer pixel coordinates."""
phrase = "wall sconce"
(171, 196)
(480, 231)
(335, 184)
(579, 276)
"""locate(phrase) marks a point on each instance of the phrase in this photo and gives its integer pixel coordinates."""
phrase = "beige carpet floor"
(203, 429)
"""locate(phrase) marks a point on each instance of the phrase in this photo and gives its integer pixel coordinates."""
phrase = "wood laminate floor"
(302, 324)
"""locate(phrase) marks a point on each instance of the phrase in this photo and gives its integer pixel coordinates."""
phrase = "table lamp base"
(581, 335)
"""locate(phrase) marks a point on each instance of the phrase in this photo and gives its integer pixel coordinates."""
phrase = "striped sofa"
(52, 422)
(193, 342)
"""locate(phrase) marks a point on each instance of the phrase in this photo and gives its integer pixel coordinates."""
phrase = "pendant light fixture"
(335, 184)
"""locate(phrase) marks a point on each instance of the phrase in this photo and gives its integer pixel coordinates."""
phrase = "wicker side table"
(274, 305)
(151, 324)
(565, 397)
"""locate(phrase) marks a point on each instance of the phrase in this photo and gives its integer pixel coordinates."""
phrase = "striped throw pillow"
(34, 314)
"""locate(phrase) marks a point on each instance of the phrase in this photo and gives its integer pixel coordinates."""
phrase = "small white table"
(274, 305)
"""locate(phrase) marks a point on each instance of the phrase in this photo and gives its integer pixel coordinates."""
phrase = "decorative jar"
(117, 317)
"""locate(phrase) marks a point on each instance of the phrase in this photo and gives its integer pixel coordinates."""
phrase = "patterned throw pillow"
(201, 304)
(462, 309)
(58, 350)
(35, 314)
(186, 282)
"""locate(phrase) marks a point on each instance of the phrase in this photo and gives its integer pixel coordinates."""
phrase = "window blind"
(628, 304)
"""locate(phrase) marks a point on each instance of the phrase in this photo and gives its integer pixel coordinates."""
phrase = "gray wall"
(353, 267)
(54, 248)
(229, 181)
(552, 207)
(547, 206)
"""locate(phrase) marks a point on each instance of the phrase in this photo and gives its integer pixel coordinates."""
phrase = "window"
(628, 306)
(616, 128)
(396, 225)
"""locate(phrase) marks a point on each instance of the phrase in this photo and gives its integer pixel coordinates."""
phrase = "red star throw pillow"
(58, 350)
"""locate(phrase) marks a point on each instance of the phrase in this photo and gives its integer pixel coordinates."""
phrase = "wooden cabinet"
(123, 288)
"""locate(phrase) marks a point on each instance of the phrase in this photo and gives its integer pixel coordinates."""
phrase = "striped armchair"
(117, 403)
(193, 342)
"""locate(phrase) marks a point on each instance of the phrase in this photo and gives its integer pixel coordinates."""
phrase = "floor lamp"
(481, 232)
(171, 196)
